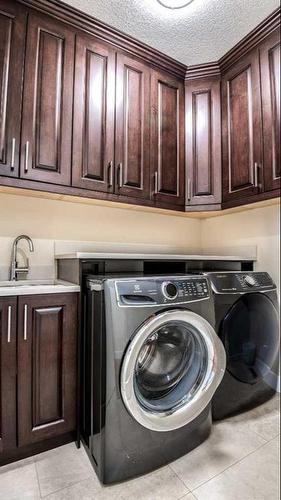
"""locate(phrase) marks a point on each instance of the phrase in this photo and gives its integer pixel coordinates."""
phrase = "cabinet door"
(47, 101)
(132, 128)
(47, 336)
(8, 373)
(203, 142)
(242, 153)
(93, 126)
(12, 42)
(270, 84)
(168, 174)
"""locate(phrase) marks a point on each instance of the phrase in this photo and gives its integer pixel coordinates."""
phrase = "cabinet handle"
(155, 183)
(25, 323)
(120, 175)
(110, 174)
(13, 153)
(26, 156)
(256, 175)
(9, 324)
(189, 194)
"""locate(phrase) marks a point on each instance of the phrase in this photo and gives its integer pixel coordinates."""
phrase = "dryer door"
(171, 370)
(250, 334)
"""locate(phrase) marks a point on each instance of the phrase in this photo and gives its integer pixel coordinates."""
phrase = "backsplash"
(42, 261)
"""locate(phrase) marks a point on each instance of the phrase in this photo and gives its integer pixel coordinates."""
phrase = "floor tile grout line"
(232, 465)
(183, 483)
(37, 476)
(65, 487)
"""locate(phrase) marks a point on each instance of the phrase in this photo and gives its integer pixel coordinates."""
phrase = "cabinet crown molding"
(249, 42)
(78, 19)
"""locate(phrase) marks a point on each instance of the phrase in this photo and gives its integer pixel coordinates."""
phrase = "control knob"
(170, 290)
(250, 281)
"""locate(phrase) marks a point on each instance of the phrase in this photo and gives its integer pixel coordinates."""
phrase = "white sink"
(32, 287)
(16, 284)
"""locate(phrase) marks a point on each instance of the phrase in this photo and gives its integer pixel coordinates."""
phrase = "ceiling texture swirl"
(201, 32)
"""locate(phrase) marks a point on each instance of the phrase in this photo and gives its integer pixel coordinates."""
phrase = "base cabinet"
(38, 368)
(8, 373)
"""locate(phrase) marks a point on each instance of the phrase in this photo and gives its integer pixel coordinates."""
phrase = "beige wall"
(60, 220)
(258, 227)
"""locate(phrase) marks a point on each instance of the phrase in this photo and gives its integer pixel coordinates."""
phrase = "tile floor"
(238, 461)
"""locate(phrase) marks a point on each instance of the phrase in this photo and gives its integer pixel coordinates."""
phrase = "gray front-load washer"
(151, 363)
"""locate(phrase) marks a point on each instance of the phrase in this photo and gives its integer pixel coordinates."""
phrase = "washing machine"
(151, 363)
(247, 323)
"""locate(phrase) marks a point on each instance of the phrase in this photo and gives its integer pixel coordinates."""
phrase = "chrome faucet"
(15, 270)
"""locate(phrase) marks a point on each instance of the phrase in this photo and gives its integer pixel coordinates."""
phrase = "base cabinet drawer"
(38, 368)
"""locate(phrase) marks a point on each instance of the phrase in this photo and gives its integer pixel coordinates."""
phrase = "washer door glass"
(250, 333)
(171, 366)
(171, 370)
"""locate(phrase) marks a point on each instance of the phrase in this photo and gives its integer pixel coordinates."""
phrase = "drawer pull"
(25, 323)
(26, 157)
(9, 324)
(13, 153)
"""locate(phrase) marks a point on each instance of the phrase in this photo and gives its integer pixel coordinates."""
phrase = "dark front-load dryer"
(151, 364)
(247, 322)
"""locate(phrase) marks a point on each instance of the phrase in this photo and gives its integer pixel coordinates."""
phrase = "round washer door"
(171, 370)
(250, 334)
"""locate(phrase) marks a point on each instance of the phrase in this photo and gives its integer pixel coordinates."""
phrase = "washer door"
(171, 370)
(250, 334)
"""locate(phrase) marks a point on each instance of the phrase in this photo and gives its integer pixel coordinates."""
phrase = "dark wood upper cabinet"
(47, 101)
(203, 142)
(8, 373)
(12, 43)
(167, 139)
(47, 337)
(132, 128)
(94, 113)
(270, 86)
(242, 150)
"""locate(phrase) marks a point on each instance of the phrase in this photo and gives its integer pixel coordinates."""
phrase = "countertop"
(36, 287)
(139, 256)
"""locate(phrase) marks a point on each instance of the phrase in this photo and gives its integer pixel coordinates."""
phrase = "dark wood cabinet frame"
(123, 170)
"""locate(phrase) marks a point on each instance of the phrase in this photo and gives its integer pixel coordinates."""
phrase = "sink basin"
(28, 283)
(33, 287)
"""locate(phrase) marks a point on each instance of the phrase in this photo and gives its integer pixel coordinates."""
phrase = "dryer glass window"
(250, 333)
(170, 367)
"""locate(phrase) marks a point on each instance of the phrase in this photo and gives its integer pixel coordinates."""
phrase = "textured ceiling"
(201, 32)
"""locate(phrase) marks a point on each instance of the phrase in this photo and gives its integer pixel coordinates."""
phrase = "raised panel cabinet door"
(132, 128)
(94, 111)
(47, 359)
(168, 162)
(270, 85)
(12, 43)
(203, 142)
(241, 111)
(8, 373)
(47, 101)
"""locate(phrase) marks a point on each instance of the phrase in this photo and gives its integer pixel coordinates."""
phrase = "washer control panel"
(241, 282)
(141, 291)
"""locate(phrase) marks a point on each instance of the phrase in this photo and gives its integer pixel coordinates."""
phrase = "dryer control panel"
(161, 291)
(241, 282)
